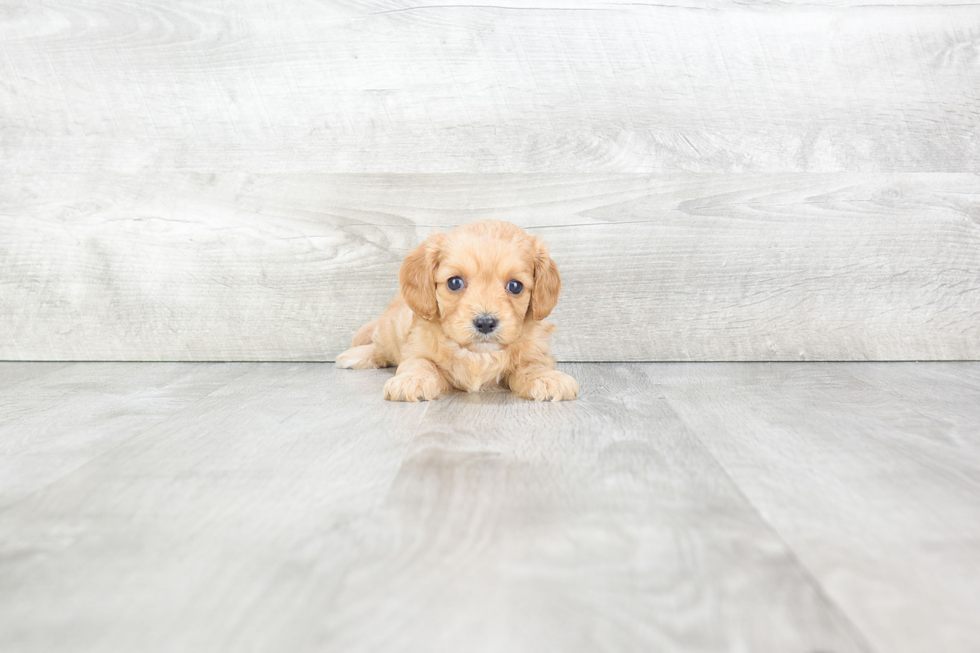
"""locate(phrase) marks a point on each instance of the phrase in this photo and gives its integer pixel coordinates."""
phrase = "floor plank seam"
(859, 636)
(129, 440)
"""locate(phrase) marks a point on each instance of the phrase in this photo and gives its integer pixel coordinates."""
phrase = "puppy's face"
(483, 288)
(481, 282)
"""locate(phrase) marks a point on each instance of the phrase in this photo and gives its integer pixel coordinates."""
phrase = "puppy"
(468, 316)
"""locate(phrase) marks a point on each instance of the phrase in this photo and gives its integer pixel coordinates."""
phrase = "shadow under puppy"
(468, 316)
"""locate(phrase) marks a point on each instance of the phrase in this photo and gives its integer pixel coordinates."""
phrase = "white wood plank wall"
(186, 180)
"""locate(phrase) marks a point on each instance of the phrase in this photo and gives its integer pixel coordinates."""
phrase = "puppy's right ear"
(417, 277)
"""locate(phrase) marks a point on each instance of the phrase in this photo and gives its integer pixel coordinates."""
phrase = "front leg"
(417, 379)
(542, 383)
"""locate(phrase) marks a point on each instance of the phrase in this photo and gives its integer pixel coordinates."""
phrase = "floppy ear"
(417, 277)
(547, 283)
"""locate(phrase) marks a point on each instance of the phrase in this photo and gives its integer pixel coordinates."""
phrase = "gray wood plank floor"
(673, 507)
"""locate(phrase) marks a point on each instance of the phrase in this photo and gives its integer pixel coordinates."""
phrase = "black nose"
(485, 323)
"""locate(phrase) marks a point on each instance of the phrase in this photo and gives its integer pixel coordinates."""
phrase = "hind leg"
(362, 357)
(365, 334)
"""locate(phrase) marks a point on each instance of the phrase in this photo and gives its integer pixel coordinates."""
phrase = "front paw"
(551, 386)
(410, 387)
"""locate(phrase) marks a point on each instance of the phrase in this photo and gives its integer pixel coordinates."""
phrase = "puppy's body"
(480, 335)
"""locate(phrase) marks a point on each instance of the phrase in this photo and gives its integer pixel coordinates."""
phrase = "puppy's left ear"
(417, 277)
(547, 282)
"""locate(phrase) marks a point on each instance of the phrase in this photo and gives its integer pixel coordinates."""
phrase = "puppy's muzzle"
(485, 323)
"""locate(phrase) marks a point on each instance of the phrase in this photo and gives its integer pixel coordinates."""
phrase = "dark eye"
(515, 287)
(455, 283)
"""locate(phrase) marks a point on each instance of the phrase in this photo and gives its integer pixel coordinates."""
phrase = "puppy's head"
(480, 282)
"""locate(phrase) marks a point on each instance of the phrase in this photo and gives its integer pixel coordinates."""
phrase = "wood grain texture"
(14, 373)
(392, 86)
(870, 473)
(64, 418)
(187, 266)
(294, 510)
(721, 180)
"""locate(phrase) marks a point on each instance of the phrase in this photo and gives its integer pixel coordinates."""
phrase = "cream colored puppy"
(468, 316)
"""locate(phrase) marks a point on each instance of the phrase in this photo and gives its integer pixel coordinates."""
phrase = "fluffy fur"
(428, 330)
